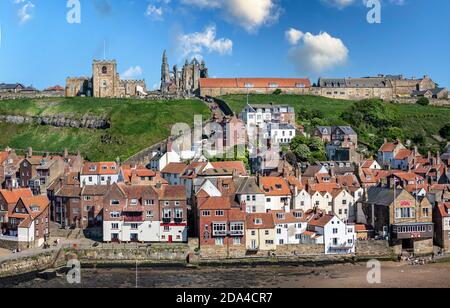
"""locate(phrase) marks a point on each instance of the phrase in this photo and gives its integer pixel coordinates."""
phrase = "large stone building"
(385, 87)
(105, 83)
(186, 81)
(223, 86)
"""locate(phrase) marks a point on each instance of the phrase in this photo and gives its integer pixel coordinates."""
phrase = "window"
(219, 241)
(425, 212)
(269, 242)
(266, 232)
(87, 198)
(149, 202)
(134, 201)
(335, 231)
(254, 233)
(220, 213)
(206, 213)
(115, 202)
(134, 226)
(407, 212)
(104, 70)
(115, 215)
(149, 214)
(178, 213)
(268, 199)
(236, 241)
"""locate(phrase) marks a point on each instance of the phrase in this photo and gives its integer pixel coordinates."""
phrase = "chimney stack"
(29, 152)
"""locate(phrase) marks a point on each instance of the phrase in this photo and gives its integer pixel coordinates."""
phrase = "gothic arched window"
(104, 70)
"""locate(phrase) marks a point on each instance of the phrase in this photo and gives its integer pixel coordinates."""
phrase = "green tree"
(302, 152)
(445, 132)
(277, 92)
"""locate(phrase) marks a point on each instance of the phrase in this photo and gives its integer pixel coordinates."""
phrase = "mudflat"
(393, 275)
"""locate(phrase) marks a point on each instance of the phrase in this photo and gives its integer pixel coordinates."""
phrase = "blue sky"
(237, 38)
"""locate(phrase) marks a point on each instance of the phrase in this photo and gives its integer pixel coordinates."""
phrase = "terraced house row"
(402, 197)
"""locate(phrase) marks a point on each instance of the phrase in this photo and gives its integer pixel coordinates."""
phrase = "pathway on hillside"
(218, 112)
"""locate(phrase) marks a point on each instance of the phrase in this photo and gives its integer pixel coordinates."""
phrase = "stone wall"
(87, 121)
(31, 95)
(373, 248)
(16, 267)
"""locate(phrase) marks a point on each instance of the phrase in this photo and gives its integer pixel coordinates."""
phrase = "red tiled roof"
(173, 192)
(403, 154)
(320, 220)
(256, 82)
(175, 168)
(274, 186)
(13, 196)
(388, 147)
(288, 217)
(102, 168)
(233, 165)
(265, 218)
(216, 203)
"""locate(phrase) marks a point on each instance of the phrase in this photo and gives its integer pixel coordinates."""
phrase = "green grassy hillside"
(135, 124)
(420, 124)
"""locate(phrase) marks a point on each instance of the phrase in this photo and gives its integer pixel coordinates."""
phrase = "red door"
(170, 239)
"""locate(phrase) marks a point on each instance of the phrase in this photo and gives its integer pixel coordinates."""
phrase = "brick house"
(441, 219)
(131, 214)
(67, 206)
(9, 168)
(8, 201)
(221, 223)
(92, 201)
(174, 214)
(29, 221)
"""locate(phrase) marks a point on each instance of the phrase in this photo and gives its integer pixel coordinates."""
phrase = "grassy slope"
(412, 118)
(135, 125)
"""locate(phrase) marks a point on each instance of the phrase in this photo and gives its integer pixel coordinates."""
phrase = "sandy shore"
(393, 275)
(4, 252)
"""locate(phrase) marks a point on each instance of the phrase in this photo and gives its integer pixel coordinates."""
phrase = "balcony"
(237, 233)
(137, 218)
(178, 220)
(220, 233)
(167, 220)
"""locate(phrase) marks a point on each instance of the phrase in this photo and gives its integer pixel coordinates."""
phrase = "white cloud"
(25, 11)
(249, 14)
(195, 44)
(294, 36)
(134, 72)
(318, 53)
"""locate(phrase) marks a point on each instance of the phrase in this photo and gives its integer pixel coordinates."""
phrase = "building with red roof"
(216, 87)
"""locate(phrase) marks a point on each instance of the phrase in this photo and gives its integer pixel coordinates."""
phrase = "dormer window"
(281, 216)
(134, 201)
(298, 214)
(273, 85)
(258, 221)
(278, 186)
(34, 208)
(92, 168)
(249, 85)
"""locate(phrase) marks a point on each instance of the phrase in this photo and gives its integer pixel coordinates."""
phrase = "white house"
(322, 200)
(277, 193)
(288, 227)
(249, 193)
(100, 173)
(343, 205)
(336, 236)
(160, 160)
(144, 231)
(281, 133)
(301, 199)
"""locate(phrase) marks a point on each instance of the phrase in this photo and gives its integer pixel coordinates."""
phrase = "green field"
(135, 125)
(407, 122)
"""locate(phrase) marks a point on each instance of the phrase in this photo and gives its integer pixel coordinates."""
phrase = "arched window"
(104, 70)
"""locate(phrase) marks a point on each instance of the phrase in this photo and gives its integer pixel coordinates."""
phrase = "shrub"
(423, 101)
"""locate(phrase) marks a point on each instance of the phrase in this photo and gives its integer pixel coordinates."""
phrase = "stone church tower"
(165, 73)
(186, 81)
(105, 79)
